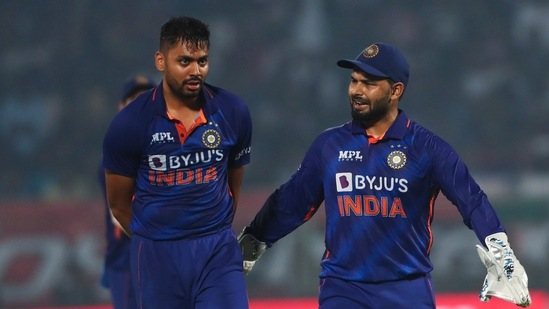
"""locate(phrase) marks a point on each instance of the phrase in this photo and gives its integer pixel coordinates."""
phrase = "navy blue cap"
(381, 60)
(132, 85)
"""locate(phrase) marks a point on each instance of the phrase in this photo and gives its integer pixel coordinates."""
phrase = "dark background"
(478, 79)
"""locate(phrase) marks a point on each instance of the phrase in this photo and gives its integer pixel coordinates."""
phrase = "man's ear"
(398, 90)
(160, 61)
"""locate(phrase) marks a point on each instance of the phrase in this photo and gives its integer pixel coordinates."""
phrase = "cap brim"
(352, 64)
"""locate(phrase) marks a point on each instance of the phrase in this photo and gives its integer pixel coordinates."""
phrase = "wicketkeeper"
(378, 176)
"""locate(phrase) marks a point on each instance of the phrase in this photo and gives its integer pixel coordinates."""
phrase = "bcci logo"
(371, 51)
(211, 138)
(396, 159)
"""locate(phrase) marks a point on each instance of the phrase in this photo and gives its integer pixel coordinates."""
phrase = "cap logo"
(371, 51)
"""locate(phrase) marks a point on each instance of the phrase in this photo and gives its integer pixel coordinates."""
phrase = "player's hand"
(252, 249)
(506, 278)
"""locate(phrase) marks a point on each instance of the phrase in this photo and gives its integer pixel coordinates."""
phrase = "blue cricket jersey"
(379, 200)
(181, 177)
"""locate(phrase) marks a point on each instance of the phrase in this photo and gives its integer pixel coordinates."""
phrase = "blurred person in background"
(174, 163)
(378, 176)
(116, 269)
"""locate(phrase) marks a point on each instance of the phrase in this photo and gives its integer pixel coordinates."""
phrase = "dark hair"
(186, 30)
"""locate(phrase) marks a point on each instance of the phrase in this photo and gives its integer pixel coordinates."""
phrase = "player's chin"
(360, 114)
(191, 92)
(360, 110)
(186, 95)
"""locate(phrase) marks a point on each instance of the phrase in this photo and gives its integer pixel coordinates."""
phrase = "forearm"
(484, 221)
(119, 196)
(236, 176)
(122, 216)
(271, 223)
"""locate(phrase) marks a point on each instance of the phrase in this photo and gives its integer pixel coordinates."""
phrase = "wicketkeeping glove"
(506, 278)
(252, 249)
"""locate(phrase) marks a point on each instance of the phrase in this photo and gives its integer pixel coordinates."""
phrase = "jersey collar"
(396, 131)
(208, 92)
(399, 127)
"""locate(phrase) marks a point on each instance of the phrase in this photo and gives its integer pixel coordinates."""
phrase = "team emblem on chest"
(211, 138)
(396, 159)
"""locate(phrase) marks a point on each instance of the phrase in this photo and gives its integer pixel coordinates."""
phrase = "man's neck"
(381, 126)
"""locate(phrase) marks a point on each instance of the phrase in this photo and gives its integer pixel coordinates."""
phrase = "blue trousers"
(121, 288)
(415, 293)
(198, 273)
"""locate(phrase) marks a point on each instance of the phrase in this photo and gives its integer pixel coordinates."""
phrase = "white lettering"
(389, 186)
(174, 162)
(186, 159)
(403, 185)
(163, 163)
(377, 183)
(360, 182)
(350, 155)
(244, 151)
(371, 181)
(162, 137)
(343, 154)
(219, 155)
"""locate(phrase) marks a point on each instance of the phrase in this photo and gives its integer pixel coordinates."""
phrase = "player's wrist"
(252, 249)
(249, 230)
(501, 236)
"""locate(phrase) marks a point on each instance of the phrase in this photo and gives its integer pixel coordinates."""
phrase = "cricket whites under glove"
(252, 249)
(506, 278)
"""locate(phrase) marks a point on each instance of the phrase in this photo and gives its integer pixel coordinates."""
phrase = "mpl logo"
(350, 155)
(344, 182)
(162, 137)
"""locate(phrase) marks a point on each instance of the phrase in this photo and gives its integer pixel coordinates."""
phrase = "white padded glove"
(506, 278)
(252, 249)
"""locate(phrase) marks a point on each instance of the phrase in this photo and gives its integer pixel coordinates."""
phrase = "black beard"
(370, 118)
(181, 94)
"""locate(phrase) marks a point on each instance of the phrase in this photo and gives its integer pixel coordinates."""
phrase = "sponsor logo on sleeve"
(244, 151)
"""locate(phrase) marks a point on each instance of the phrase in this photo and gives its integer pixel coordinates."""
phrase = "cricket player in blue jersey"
(378, 176)
(116, 269)
(174, 161)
